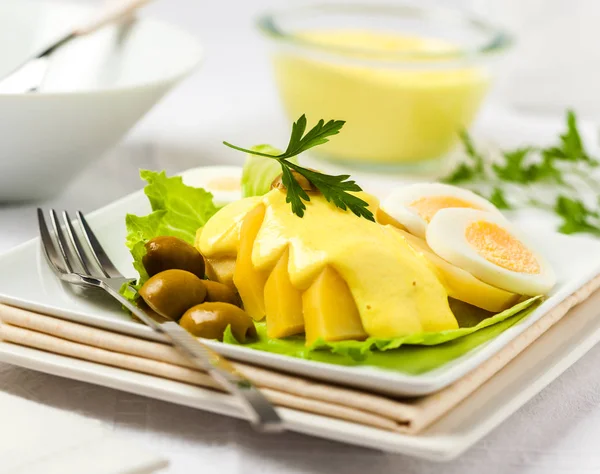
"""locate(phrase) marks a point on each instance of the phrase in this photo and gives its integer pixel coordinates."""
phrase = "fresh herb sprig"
(518, 178)
(334, 188)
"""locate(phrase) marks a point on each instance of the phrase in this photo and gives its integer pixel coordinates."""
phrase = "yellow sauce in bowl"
(396, 112)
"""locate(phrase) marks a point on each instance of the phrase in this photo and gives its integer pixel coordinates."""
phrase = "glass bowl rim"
(498, 39)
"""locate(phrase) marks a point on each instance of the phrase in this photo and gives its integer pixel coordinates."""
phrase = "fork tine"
(60, 240)
(48, 245)
(76, 244)
(97, 251)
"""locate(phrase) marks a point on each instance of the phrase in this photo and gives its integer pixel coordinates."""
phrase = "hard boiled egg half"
(223, 182)
(486, 245)
(415, 206)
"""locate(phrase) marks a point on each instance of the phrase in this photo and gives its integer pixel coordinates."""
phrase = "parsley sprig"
(334, 188)
(564, 173)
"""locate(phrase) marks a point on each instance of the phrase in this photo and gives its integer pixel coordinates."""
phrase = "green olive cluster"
(177, 290)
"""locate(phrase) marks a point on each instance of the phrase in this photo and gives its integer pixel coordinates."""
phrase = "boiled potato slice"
(283, 302)
(250, 282)
(329, 310)
(221, 234)
(221, 270)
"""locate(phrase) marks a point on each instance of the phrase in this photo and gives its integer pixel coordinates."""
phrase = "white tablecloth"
(232, 97)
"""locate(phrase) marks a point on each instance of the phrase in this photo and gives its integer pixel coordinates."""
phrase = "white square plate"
(30, 284)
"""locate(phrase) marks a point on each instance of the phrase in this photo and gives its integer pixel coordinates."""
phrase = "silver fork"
(84, 262)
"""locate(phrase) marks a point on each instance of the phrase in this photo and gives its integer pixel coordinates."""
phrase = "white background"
(232, 97)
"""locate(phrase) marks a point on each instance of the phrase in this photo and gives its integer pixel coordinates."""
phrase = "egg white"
(208, 177)
(397, 204)
(446, 236)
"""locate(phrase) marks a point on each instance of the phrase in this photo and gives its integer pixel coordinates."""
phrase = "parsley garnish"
(576, 216)
(563, 173)
(335, 189)
(514, 168)
(571, 147)
(498, 199)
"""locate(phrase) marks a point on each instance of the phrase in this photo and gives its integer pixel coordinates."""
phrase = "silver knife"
(29, 76)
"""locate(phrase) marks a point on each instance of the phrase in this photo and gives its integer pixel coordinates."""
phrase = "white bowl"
(94, 92)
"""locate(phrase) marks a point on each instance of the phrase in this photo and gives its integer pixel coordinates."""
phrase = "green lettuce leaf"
(412, 354)
(177, 210)
(259, 172)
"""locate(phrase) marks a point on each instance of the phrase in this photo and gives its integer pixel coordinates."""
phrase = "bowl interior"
(112, 58)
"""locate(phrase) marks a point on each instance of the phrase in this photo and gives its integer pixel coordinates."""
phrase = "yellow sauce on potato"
(392, 288)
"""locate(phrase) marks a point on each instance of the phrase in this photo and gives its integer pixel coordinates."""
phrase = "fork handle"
(262, 413)
(265, 418)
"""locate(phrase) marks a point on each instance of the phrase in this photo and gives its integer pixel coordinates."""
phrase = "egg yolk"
(428, 206)
(497, 246)
(224, 183)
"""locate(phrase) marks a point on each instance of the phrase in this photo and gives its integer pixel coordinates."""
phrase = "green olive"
(140, 303)
(209, 320)
(172, 292)
(219, 293)
(168, 253)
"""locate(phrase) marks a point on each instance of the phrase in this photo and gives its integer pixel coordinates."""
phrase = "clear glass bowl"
(406, 79)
